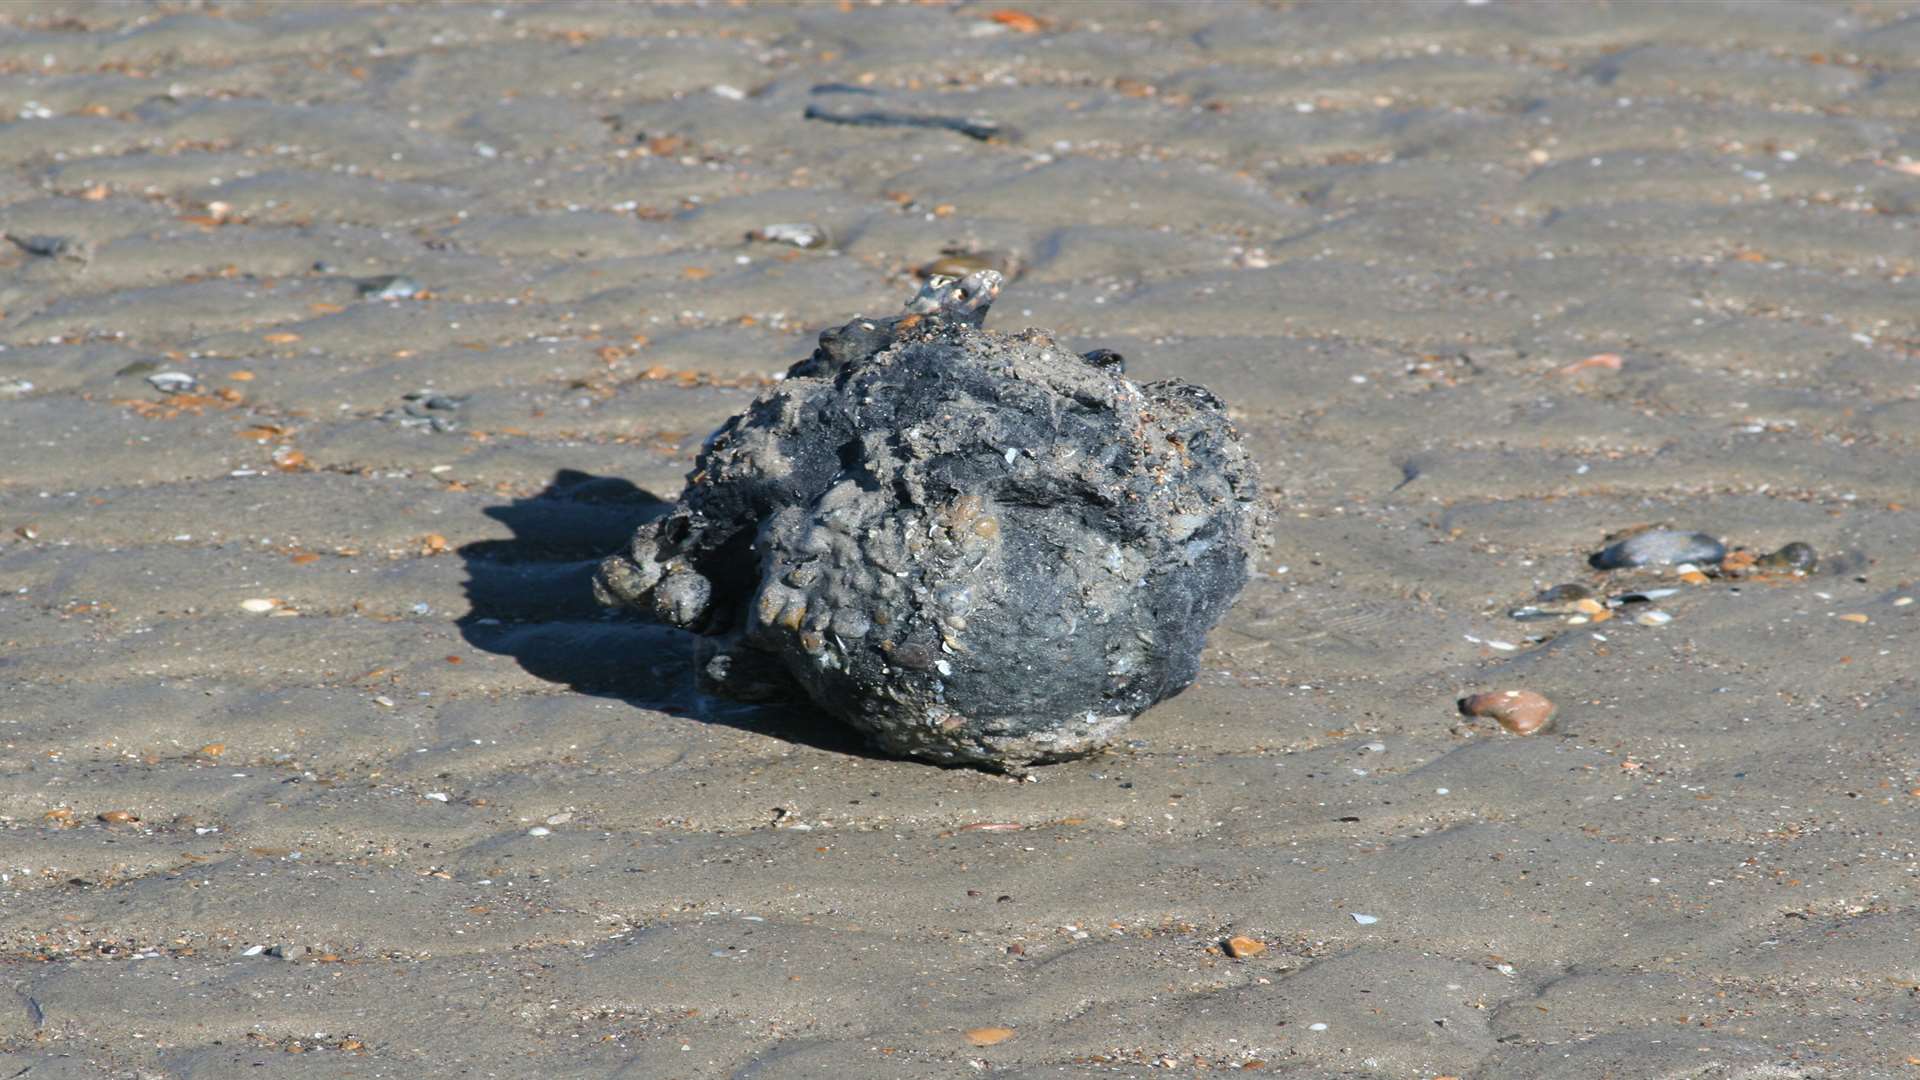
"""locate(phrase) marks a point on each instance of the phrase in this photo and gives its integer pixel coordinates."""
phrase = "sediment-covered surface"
(975, 548)
(311, 755)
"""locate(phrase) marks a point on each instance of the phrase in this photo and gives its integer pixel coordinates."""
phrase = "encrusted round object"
(974, 547)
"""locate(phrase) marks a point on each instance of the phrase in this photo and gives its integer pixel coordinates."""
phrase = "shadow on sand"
(531, 598)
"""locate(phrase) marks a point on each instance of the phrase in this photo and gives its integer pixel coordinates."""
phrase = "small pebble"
(1853, 617)
(426, 408)
(798, 234)
(1522, 712)
(988, 1036)
(1240, 947)
(120, 817)
(259, 605)
(1653, 618)
(1569, 593)
(539, 830)
(1797, 558)
(958, 263)
(1607, 361)
(1364, 920)
(1316, 1027)
(388, 287)
(1659, 547)
(173, 382)
(431, 400)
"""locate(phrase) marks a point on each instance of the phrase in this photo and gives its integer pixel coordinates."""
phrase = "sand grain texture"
(461, 822)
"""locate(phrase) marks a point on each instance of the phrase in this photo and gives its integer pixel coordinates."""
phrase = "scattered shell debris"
(1692, 558)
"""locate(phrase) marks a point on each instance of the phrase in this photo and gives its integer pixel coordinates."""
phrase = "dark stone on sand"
(1659, 547)
(70, 248)
(1798, 557)
(974, 547)
(972, 129)
(842, 88)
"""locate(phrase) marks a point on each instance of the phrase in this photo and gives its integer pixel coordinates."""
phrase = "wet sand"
(318, 757)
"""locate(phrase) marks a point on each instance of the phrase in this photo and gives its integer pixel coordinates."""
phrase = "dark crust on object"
(975, 547)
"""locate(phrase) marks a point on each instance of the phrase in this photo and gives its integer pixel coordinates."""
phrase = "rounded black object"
(974, 547)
